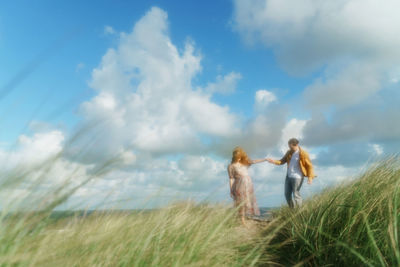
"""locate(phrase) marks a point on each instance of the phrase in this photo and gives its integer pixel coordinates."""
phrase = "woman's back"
(238, 170)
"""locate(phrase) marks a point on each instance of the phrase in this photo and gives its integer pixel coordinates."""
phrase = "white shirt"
(294, 166)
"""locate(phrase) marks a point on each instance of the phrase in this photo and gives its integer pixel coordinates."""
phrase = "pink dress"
(242, 189)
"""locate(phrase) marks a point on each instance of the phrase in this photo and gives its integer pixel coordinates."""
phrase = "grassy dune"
(354, 224)
(182, 234)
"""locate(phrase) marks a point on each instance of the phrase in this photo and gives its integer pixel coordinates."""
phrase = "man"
(298, 166)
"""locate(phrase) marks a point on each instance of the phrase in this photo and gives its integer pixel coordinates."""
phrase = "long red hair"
(239, 155)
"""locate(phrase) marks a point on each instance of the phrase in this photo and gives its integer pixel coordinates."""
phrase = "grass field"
(353, 224)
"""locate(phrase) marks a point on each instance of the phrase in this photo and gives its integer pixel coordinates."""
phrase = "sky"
(167, 89)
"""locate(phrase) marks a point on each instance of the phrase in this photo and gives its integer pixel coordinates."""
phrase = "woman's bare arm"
(257, 161)
(231, 179)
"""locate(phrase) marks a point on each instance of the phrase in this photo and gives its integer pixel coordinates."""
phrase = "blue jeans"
(292, 187)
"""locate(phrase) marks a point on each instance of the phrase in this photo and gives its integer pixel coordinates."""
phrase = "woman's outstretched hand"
(270, 160)
(258, 160)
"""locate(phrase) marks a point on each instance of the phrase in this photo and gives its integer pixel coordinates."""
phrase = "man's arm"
(282, 161)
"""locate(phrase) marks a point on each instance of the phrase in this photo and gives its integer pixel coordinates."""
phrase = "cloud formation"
(167, 133)
(308, 34)
(351, 48)
(164, 131)
(146, 97)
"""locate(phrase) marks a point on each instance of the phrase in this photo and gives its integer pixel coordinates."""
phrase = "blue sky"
(334, 87)
(79, 27)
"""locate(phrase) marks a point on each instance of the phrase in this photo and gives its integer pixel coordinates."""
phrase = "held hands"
(270, 160)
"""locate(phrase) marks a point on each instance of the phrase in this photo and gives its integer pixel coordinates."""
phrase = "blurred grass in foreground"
(181, 234)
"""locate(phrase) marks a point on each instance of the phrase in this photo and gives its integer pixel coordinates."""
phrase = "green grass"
(353, 224)
(181, 234)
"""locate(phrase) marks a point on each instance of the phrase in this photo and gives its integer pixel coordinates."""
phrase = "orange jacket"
(305, 162)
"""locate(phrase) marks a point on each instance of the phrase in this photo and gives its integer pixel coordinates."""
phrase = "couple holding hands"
(298, 166)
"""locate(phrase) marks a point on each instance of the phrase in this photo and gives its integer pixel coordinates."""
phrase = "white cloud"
(263, 98)
(348, 87)
(376, 148)
(372, 122)
(259, 134)
(293, 129)
(308, 34)
(357, 47)
(353, 43)
(203, 172)
(108, 30)
(224, 84)
(146, 100)
(34, 168)
(33, 150)
(209, 117)
(79, 66)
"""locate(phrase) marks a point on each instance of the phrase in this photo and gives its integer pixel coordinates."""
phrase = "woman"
(240, 183)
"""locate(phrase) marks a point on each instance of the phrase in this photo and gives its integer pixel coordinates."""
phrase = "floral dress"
(242, 189)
